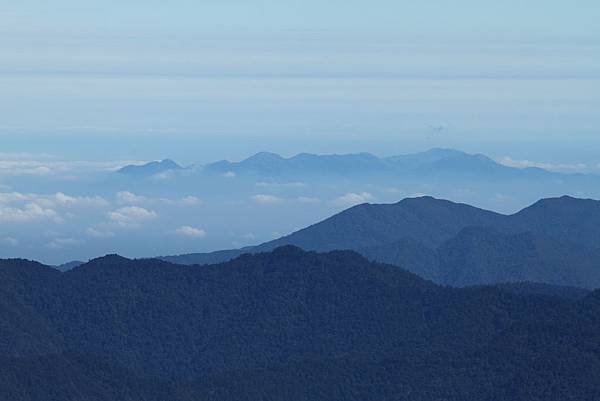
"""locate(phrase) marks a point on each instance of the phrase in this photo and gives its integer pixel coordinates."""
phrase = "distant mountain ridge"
(151, 168)
(432, 161)
(69, 265)
(555, 241)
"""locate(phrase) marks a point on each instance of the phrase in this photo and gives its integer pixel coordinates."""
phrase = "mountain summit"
(151, 168)
(554, 241)
(432, 161)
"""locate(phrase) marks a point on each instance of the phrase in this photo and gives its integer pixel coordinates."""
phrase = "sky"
(198, 78)
(86, 87)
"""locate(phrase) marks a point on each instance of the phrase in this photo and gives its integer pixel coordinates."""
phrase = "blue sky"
(88, 86)
(235, 77)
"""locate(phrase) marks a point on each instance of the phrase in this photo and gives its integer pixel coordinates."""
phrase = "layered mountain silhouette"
(151, 168)
(434, 161)
(555, 241)
(69, 265)
(287, 324)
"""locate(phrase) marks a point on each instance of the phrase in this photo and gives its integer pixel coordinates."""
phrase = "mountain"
(554, 241)
(69, 265)
(271, 164)
(565, 218)
(482, 256)
(427, 220)
(529, 288)
(441, 162)
(286, 324)
(150, 169)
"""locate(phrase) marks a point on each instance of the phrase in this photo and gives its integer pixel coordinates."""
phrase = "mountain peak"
(562, 201)
(445, 152)
(110, 260)
(288, 250)
(264, 156)
(150, 168)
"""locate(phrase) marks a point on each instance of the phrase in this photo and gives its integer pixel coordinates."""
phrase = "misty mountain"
(555, 241)
(440, 162)
(288, 324)
(239, 204)
(69, 265)
(151, 168)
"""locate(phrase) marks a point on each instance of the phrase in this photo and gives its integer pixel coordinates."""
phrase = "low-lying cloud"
(131, 216)
(353, 198)
(264, 199)
(556, 167)
(191, 232)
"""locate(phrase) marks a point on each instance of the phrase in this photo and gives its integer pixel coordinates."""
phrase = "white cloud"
(558, 167)
(99, 233)
(501, 198)
(61, 243)
(263, 199)
(58, 199)
(27, 213)
(89, 201)
(307, 199)
(129, 198)
(296, 184)
(191, 200)
(12, 197)
(353, 198)
(42, 165)
(229, 174)
(9, 241)
(188, 231)
(131, 216)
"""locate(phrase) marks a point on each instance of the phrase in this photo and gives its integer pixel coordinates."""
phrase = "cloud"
(191, 200)
(89, 201)
(263, 199)
(61, 243)
(229, 174)
(9, 241)
(58, 199)
(307, 199)
(352, 198)
(131, 216)
(42, 165)
(557, 167)
(28, 213)
(296, 184)
(192, 232)
(165, 175)
(129, 198)
(12, 197)
(501, 198)
(99, 233)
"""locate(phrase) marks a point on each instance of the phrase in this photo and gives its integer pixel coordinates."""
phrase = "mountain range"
(433, 161)
(287, 324)
(150, 169)
(554, 241)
